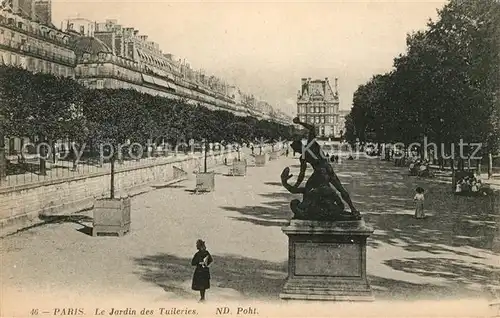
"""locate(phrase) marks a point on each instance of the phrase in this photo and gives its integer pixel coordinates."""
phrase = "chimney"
(326, 79)
(336, 86)
(304, 80)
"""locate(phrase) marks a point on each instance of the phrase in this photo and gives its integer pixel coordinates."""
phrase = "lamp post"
(3, 163)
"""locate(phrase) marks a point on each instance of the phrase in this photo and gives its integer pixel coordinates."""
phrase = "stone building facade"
(108, 55)
(342, 115)
(318, 104)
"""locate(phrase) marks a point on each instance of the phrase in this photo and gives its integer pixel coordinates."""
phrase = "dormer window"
(86, 57)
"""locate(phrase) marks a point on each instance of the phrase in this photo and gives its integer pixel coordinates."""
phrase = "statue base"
(327, 261)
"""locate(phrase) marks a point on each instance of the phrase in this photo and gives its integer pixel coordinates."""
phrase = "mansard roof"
(90, 45)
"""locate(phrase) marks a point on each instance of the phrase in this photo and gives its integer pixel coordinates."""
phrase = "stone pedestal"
(260, 160)
(205, 182)
(3, 164)
(327, 261)
(112, 216)
(239, 168)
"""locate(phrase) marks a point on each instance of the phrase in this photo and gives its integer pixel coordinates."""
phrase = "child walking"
(419, 203)
(202, 260)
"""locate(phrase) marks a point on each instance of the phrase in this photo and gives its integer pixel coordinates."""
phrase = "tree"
(39, 105)
(3, 161)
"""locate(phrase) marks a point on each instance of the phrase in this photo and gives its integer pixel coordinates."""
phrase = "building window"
(322, 119)
(100, 84)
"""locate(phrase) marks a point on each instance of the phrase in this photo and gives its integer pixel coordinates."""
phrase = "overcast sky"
(266, 48)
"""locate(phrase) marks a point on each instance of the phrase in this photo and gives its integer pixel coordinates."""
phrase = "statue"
(320, 201)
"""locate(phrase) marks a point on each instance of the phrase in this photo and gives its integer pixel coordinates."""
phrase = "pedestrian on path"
(202, 260)
(419, 203)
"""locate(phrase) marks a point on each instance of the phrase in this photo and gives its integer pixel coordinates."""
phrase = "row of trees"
(59, 108)
(445, 87)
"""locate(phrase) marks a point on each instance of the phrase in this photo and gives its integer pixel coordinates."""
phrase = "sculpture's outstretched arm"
(285, 175)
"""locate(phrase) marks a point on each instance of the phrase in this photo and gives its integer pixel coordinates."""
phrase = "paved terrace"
(64, 168)
(451, 255)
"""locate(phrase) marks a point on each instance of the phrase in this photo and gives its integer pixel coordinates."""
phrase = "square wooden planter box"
(274, 155)
(239, 168)
(260, 160)
(205, 182)
(112, 216)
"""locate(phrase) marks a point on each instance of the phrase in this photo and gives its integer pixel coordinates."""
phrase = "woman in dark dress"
(202, 260)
